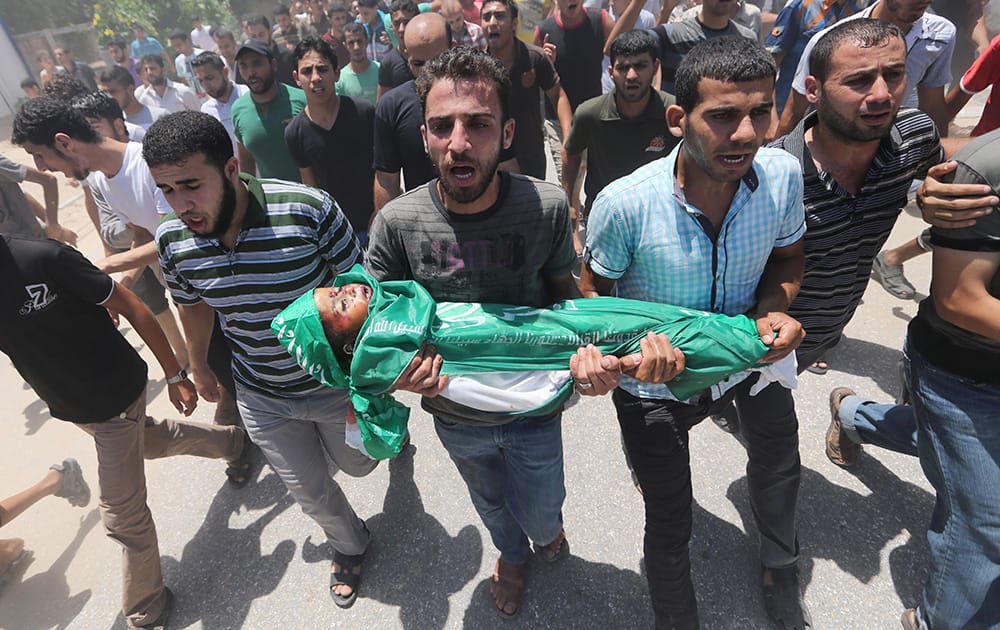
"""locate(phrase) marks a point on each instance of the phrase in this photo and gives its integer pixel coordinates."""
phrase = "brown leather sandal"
(507, 588)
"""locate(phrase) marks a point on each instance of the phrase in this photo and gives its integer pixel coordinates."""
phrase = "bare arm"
(50, 192)
(387, 188)
(308, 177)
(960, 288)
(570, 173)
(795, 109)
(626, 21)
(138, 256)
(198, 320)
(777, 288)
(247, 163)
(947, 205)
(123, 301)
(557, 96)
(955, 101)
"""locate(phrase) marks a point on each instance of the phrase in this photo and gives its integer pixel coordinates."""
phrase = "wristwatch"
(181, 376)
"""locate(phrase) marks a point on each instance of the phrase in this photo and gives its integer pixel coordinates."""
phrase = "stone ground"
(250, 559)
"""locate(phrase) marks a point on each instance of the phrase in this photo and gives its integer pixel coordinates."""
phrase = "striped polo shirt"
(294, 239)
(844, 232)
(644, 234)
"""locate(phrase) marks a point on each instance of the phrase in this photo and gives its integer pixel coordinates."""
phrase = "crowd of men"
(762, 178)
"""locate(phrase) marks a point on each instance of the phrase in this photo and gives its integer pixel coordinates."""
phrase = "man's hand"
(423, 374)
(952, 205)
(549, 49)
(205, 383)
(594, 373)
(183, 396)
(659, 362)
(782, 333)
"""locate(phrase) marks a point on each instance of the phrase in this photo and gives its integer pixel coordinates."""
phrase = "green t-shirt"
(261, 129)
(364, 85)
(618, 145)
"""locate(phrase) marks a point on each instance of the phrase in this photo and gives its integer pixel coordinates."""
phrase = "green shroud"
(478, 338)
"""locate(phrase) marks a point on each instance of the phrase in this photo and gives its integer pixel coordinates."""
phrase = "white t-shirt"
(146, 117)
(223, 111)
(177, 97)
(202, 38)
(132, 194)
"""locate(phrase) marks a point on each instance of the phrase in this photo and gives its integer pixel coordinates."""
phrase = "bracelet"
(180, 377)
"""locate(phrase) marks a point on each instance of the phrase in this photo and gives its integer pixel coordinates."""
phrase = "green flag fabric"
(490, 338)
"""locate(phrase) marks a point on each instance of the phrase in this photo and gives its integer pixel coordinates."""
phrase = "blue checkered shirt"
(643, 234)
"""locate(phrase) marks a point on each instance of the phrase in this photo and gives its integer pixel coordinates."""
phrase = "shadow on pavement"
(222, 570)
(36, 415)
(868, 360)
(853, 529)
(414, 563)
(43, 600)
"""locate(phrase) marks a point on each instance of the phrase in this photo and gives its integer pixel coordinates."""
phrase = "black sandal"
(347, 577)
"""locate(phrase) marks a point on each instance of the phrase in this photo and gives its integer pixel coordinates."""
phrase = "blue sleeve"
(786, 30)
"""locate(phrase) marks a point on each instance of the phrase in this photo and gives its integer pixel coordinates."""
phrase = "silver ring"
(584, 385)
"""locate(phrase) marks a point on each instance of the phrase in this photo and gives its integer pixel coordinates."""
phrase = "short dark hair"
(354, 27)
(64, 88)
(117, 74)
(28, 83)
(510, 4)
(280, 9)
(336, 7)
(208, 58)
(151, 58)
(99, 105)
(409, 6)
(257, 19)
(732, 59)
(181, 35)
(223, 33)
(863, 32)
(465, 62)
(119, 42)
(632, 43)
(368, 4)
(317, 45)
(40, 119)
(176, 137)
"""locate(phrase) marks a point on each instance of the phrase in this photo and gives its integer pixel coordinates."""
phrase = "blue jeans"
(890, 426)
(514, 473)
(959, 426)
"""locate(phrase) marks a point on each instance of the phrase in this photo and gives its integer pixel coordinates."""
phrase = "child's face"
(345, 308)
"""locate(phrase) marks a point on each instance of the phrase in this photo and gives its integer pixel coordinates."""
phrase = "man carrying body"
(331, 139)
(359, 78)
(63, 343)
(260, 117)
(476, 234)
(161, 92)
(222, 93)
(623, 129)
(222, 220)
(717, 225)
(531, 74)
(117, 82)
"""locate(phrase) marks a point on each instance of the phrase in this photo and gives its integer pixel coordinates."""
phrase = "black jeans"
(655, 434)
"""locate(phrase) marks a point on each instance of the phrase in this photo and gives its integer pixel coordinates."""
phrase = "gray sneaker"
(74, 487)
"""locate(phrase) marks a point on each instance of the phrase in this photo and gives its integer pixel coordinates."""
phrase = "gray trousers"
(300, 437)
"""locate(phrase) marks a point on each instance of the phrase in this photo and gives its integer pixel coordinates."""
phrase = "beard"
(263, 86)
(158, 81)
(78, 172)
(847, 129)
(227, 206)
(471, 193)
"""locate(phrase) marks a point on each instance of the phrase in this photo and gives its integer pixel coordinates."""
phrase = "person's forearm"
(626, 22)
(779, 284)
(795, 109)
(135, 257)
(570, 173)
(144, 322)
(198, 321)
(387, 188)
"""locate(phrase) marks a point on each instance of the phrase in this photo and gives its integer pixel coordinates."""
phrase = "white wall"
(13, 70)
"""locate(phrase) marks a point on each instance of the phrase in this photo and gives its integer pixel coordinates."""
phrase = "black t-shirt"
(58, 337)
(398, 143)
(579, 53)
(531, 74)
(340, 157)
(286, 63)
(393, 71)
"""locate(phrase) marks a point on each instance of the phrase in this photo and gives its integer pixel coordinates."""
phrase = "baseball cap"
(255, 45)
